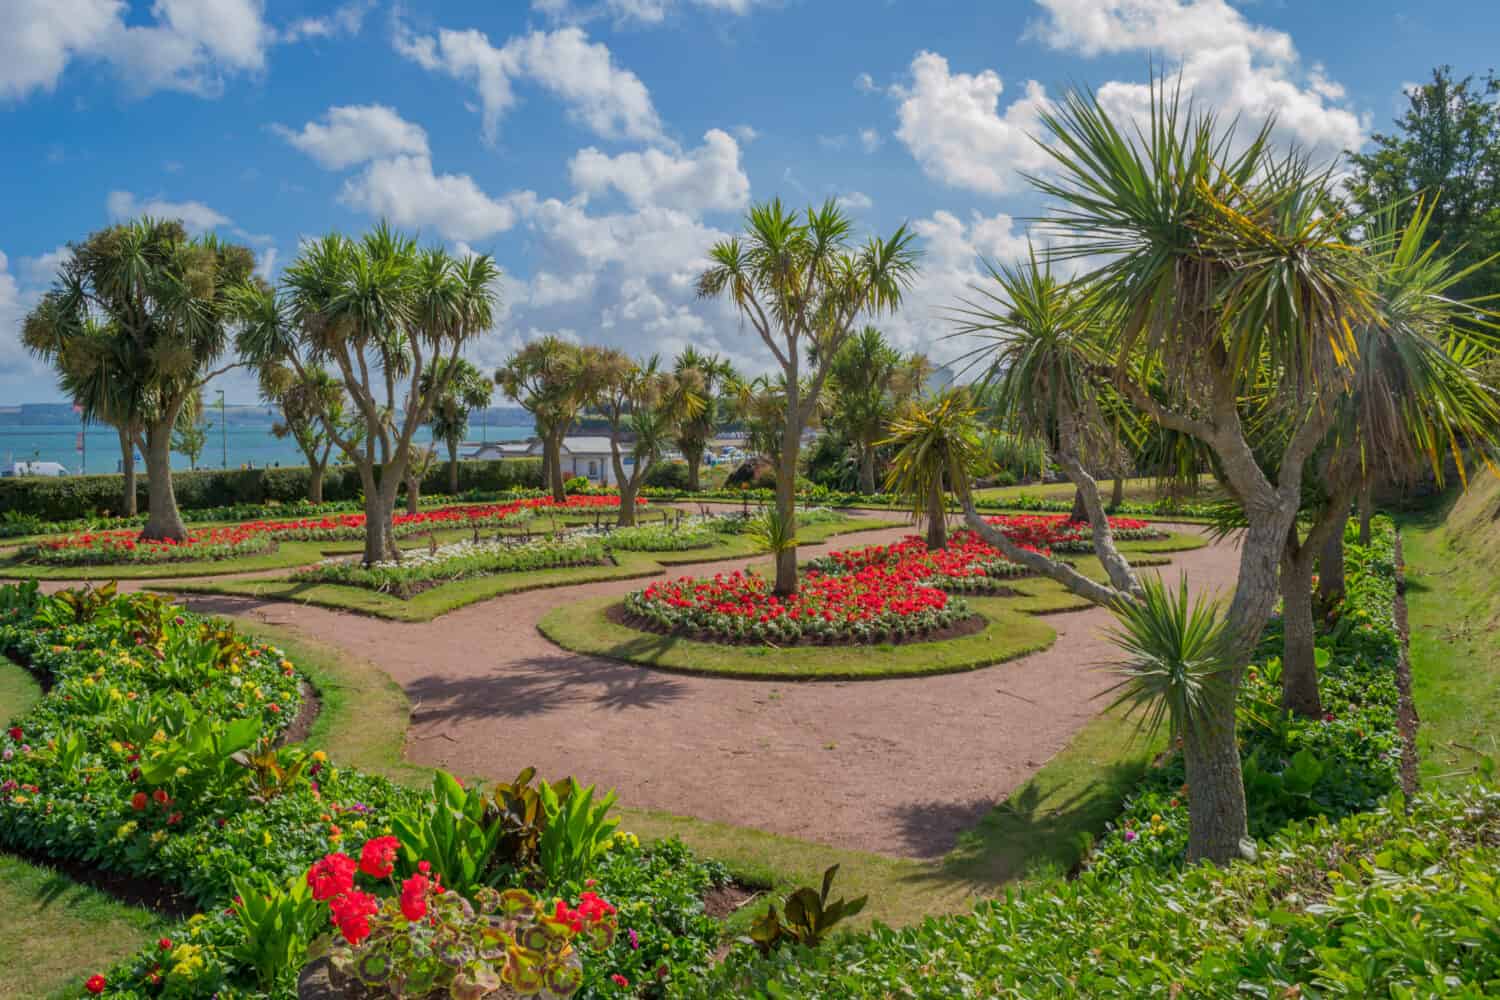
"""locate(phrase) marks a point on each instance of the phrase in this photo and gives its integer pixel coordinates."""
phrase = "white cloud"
(865, 84)
(352, 134)
(405, 190)
(608, 99)
(195, 215)
(346, 20)
(647, 12)
(952, 124)
(41, 36)
(870, 139)
(745, 133)
(265, 266)
(21, 375)
(42, 270)
(705, 179)
(1225, 61)
(855, 201)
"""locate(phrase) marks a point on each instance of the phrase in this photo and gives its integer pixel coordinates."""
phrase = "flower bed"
(130, 764)
(255, 537)
(865, 606)
(1057, 533)
(127, 547)
(968, 565)
(418, 571)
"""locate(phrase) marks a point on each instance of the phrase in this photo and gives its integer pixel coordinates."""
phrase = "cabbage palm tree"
(306, 401)
(547, 379)
(802, 285)
(714, 377)
(640, 400)
(1041, 342)
(143, 304)
(870, 381)
(938, 445)
(467, 390)
(1216, 251)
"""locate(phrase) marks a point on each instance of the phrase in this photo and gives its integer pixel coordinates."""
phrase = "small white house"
(583, 455)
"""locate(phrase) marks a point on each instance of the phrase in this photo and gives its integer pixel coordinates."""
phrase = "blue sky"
(598, 147)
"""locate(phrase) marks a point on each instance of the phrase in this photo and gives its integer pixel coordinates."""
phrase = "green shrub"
(668, 476)
(67, 497)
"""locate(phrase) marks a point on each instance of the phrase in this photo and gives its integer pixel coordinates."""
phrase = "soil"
(301, 726)
(723, 900)
(135, 890)
(820, 762)
(616, 613)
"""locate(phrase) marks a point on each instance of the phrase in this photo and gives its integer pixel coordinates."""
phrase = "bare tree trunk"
(786, 496)
(867, 470)
(694, 458)
(1080, 512)
(937, 515)
(128, 502)
(552, 450)
(380, 503)
(1331, 568)
(1299, 665)
(1366, 509)
(315, 481)
(628, 490)
(413, 488)
(162, 518)
(1117, 495)
(452, 465)
(1121, 575)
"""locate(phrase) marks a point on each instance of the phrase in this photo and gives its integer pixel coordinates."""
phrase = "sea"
(236, 447)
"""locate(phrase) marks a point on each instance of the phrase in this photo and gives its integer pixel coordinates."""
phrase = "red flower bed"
(968, 564)
(253, 537)
(1058, 533)
(867, 605)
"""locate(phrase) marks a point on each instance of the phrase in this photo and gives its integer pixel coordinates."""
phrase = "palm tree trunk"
(413, 477)
(380, 503)
(694, 458)
(1117, 495)
(867, 470)
(937, 515)
(1080, 510)
(786, 497)
(1331, 568)
(128, 502)
(552, 452)
(162, 518)
(315, 482)
(1299, 666)
(453, 465)
(1366, 509)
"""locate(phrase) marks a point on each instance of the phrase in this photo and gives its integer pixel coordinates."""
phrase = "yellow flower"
(116, 746)
(359, 824)
(1334, 875)
(286, 664)
(319, 756)
(182, 772)
(159, 736)
(1156, 817)
(266, 837)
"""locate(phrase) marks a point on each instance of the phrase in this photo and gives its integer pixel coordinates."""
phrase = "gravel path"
(898, 767)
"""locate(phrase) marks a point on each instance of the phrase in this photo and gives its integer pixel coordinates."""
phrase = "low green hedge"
(65, 497)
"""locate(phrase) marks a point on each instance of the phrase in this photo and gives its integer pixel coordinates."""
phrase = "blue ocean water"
(238, 446)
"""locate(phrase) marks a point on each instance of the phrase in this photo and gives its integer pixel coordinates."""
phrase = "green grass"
(739, 546)
(54, 932)
(1453, 604)
(583, 628)
(429, 604)
(1140, 489)
(286, 555)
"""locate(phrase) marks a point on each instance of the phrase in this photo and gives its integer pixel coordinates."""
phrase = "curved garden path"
(898, 767)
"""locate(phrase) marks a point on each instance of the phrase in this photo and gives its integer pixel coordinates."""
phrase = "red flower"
(160, 796)
(95, 984)
(332, 876)
(138, 801)
(619, 980)
(414, 897)
(378, 857)
(15, 732)
(351, 912)
(165, 944)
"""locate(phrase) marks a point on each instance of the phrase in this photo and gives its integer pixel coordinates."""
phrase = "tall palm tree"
(306, 402)
(870, 381)
(640, 400)
(938, 446)
(800, 283)
(547, 377)
(714, 376)
(467, 390)
(1216, 251)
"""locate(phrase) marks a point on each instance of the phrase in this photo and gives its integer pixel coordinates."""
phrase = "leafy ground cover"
(443, 564)
(129, 763)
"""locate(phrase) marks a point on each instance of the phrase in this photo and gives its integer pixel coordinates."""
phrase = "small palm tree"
(467, 390)
(1176, 662)
(936, 443)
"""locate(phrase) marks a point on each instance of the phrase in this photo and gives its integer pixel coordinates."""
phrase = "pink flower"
(1129, 836)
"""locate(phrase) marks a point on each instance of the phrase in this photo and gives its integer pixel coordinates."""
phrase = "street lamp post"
(223, 434)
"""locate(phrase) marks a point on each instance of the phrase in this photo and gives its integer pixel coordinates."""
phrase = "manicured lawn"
(583, 628)
(738, 546)
(54, 931)
(1453, 604)
(1143, 490)
(286, 555)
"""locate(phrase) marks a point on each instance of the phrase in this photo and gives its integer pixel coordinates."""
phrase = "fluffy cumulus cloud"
(1225, 61)
(195, 215)
(356, 133)
(705, 179)
(606, 98)
(646, 12)
(406, 190)
(20, 373)
(953, 125)
(192, 46)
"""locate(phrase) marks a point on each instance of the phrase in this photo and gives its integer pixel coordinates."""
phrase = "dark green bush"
(668, 476)
(65, 498)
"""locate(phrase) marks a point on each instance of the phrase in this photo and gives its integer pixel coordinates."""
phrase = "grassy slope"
(1453, 600)
(53, 931)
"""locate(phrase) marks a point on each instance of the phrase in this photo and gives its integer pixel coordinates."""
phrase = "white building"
(586, 456)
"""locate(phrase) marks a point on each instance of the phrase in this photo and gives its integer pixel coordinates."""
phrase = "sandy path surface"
(898, 767)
